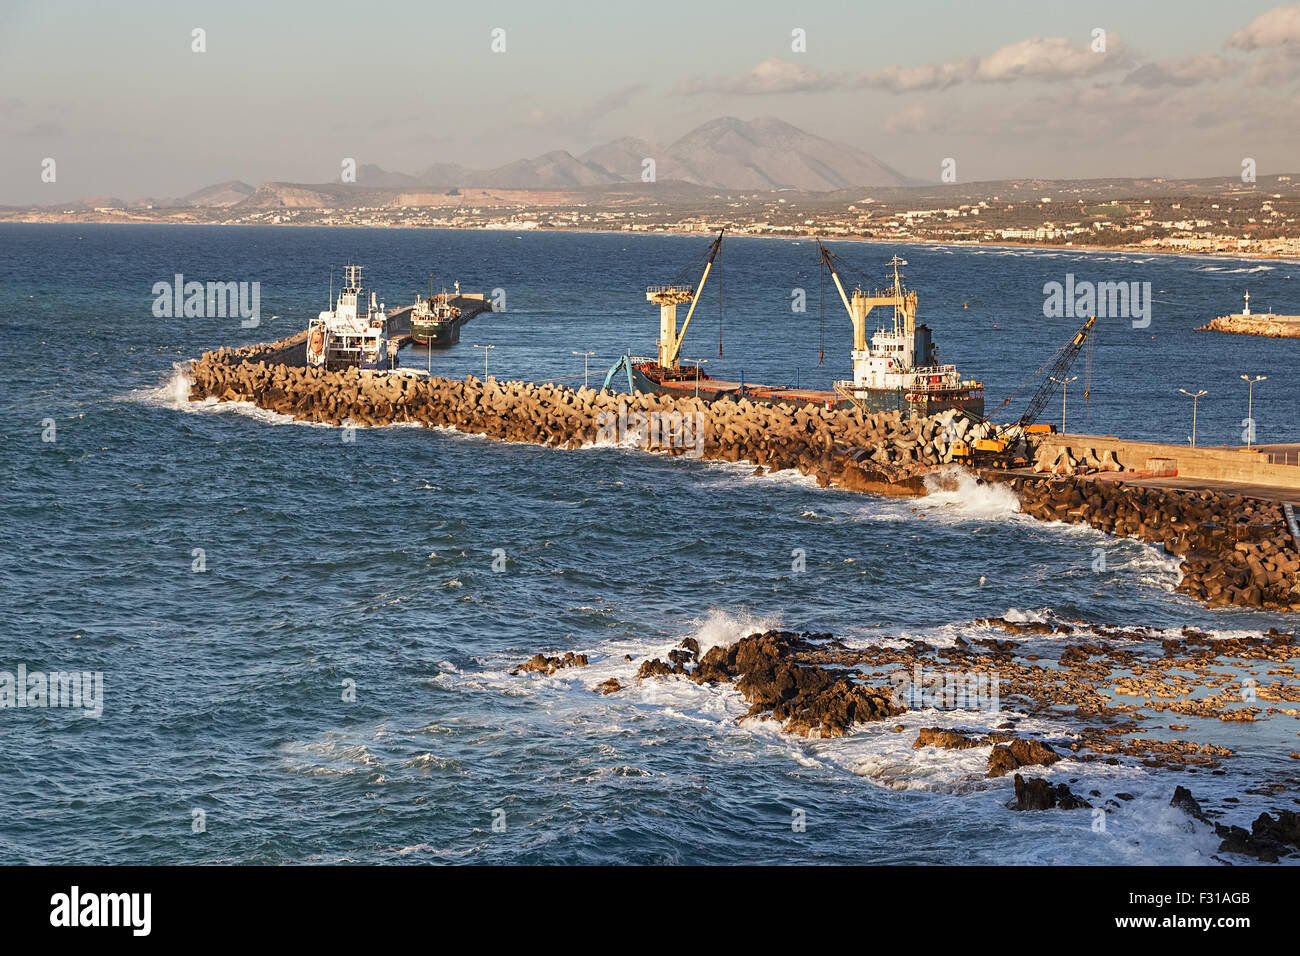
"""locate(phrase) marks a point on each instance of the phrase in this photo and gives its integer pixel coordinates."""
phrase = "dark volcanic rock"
(1037, 794)
(653, 668)
(1269, 837)
(946, 739)
(1020, 753)
(1184, 801)
(549, 665)
(808, 699)
(1001, 762)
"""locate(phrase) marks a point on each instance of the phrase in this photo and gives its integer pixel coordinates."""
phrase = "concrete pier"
(1271, 472)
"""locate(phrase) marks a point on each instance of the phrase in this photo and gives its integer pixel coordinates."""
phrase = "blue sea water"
(327, 564)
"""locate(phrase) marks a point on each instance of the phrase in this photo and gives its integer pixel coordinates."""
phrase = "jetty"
(1236, 543)
(1268, 324)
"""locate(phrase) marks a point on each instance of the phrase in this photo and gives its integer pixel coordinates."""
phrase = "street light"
(585, 357)
(485, 355)
(697, 363)
(1195, 396)
(1065, 389)
(1250, 406)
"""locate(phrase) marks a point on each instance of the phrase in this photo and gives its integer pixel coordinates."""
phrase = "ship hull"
(647, 380)
(436, 335)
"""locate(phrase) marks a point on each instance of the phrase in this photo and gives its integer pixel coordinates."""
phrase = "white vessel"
(901, 359)
(344, 338)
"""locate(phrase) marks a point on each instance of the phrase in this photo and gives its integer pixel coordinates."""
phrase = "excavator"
(1000, 448)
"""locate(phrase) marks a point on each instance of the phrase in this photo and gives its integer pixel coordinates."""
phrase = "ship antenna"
(330, 304)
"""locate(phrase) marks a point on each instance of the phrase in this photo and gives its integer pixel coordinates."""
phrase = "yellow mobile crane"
(998, 450)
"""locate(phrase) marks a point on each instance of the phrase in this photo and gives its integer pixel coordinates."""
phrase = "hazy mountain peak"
(724, 153)
(219, 194)
(769, 153)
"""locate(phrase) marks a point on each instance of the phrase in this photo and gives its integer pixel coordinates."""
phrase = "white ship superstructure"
(901, 354)
(343, 337)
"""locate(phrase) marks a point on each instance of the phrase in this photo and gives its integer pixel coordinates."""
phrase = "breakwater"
(1269, 326)
(884, 452)
(1087, 454)
(1235, 550)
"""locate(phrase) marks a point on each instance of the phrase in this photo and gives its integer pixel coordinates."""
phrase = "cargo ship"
(899, 369)
(344, 338)
(435, 322)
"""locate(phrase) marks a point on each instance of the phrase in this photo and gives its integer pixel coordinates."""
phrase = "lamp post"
(1065, 390)
(485, 349)
(1195, 396)
(586, 356)
(697, 363)
(1250, 406)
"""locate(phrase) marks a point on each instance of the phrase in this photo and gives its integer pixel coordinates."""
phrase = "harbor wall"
(1269, 326)
(1209, 463)
(1236, 550)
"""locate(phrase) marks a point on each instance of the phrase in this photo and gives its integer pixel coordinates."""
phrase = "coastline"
(1262, 258)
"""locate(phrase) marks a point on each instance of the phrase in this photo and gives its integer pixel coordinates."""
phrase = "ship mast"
(904, 304)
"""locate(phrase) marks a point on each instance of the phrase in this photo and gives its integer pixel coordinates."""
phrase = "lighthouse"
(1247, 312)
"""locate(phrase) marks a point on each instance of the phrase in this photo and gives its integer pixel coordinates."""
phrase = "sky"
(116, 95)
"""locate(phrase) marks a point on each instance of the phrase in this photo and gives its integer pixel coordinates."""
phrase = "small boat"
(343, 338)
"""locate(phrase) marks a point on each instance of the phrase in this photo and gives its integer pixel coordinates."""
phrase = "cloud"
(1049, 58)
(1278, 27)
(1044, 59)
(1183, 71)
(1037, 58)
(770, 76)
(1275, 68)
(914, 118)
(929, 76)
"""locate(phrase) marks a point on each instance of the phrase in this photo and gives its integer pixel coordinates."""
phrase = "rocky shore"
(1234, 550)
(1112, 687)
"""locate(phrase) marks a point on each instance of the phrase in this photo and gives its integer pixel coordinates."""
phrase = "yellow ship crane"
(669, 297)
(860, 304)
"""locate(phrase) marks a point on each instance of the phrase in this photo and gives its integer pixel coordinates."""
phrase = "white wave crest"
(961, 493)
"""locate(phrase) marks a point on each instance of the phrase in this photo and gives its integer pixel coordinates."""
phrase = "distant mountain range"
(725, 153)
(222, 194)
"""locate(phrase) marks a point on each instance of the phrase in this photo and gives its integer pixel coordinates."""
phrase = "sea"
(304, 635)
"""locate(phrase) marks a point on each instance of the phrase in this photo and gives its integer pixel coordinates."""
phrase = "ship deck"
(751, 389)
